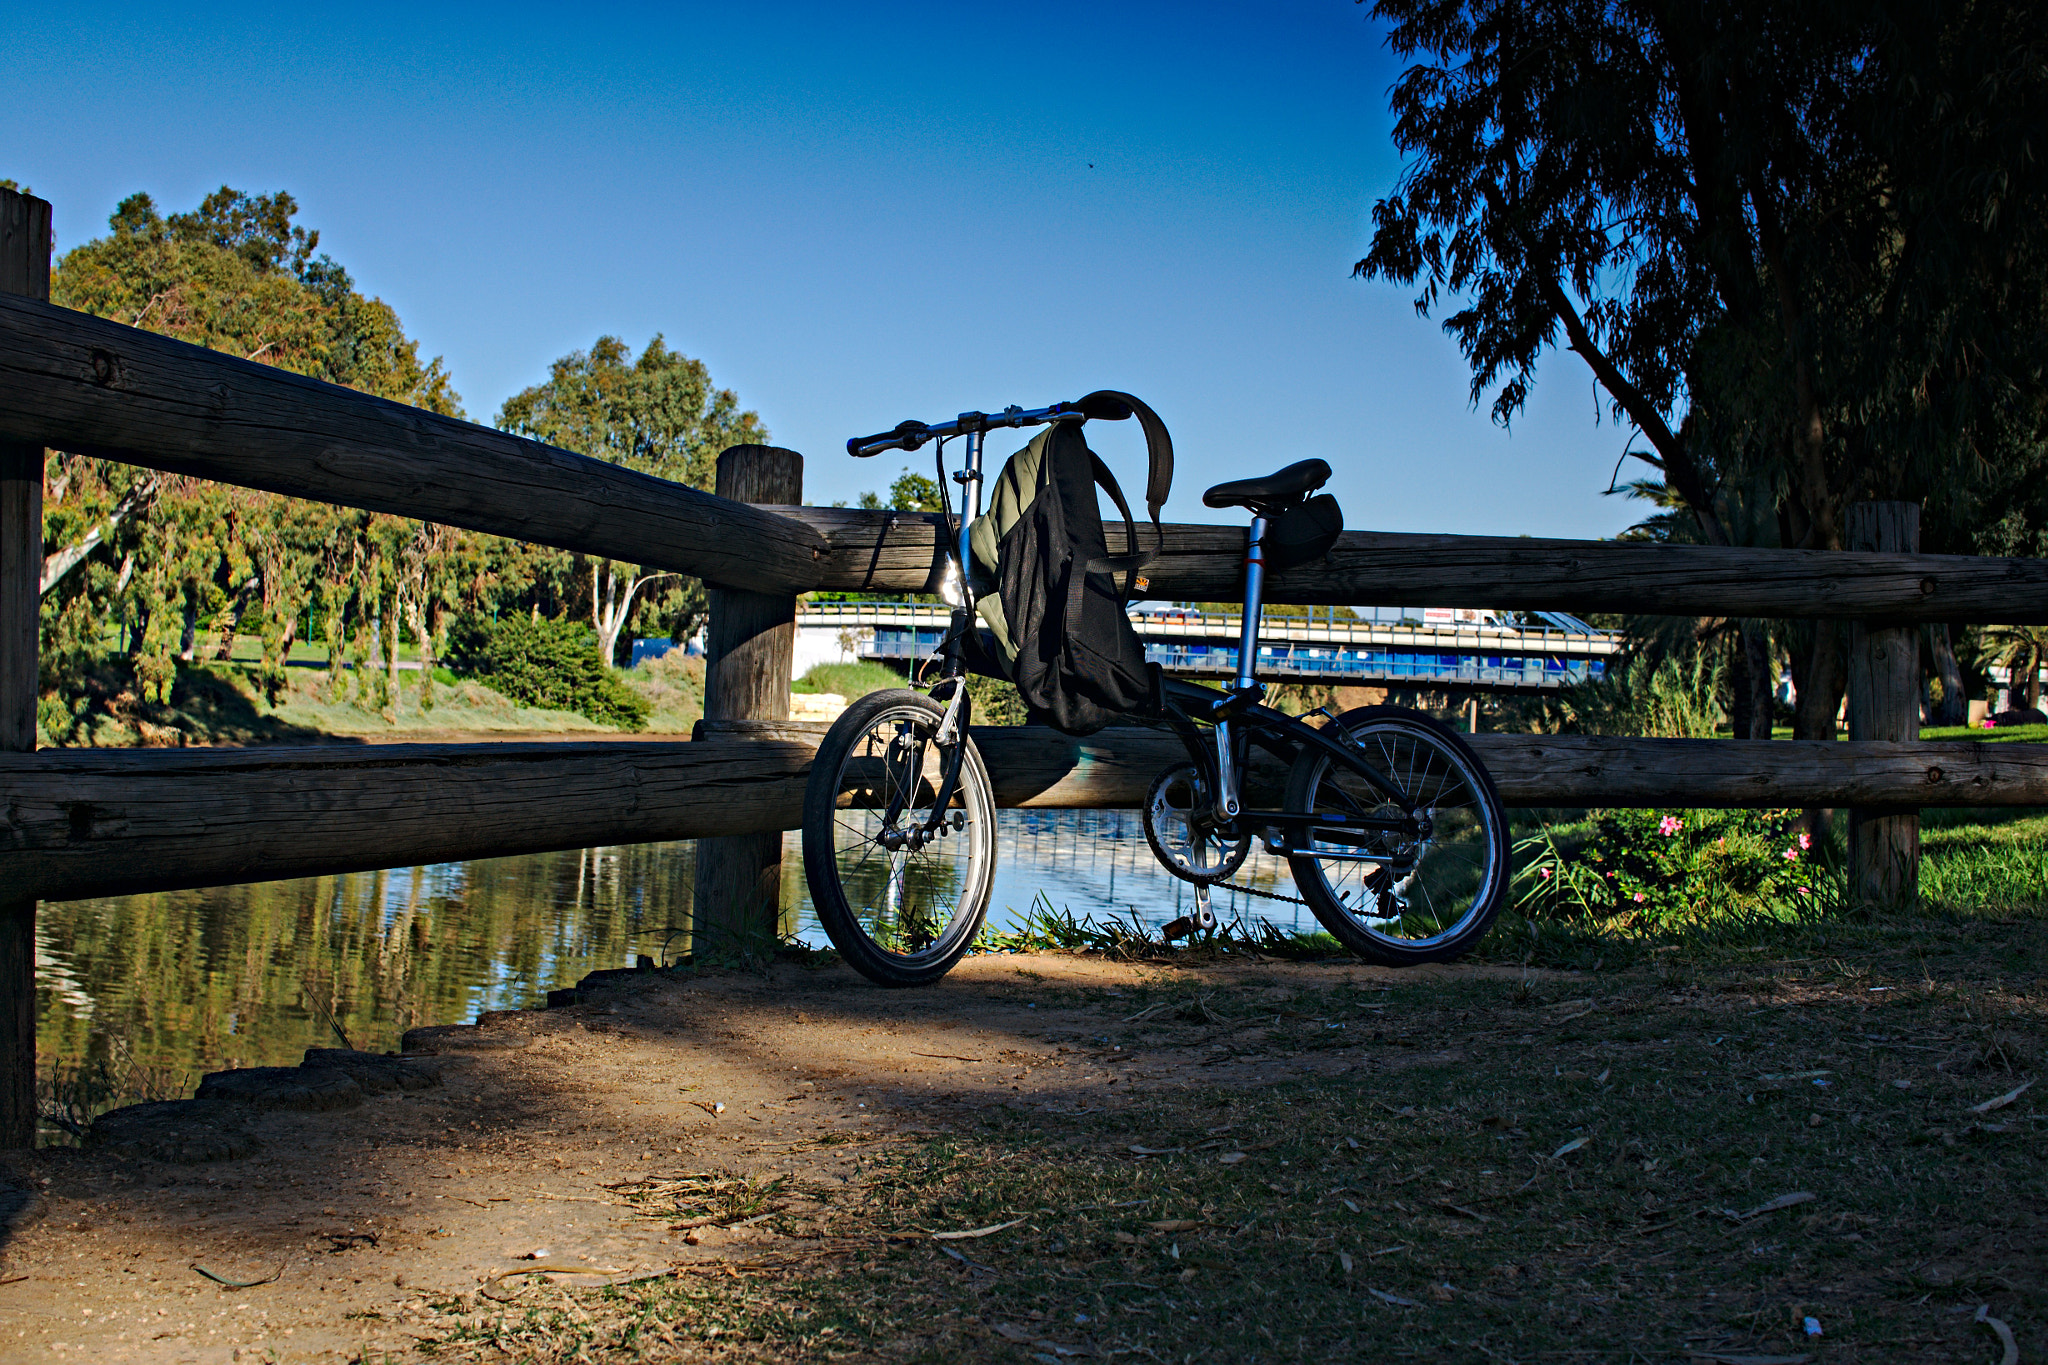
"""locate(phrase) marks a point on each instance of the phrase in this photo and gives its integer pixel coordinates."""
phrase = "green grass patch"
(851, 681)
(2004, 734)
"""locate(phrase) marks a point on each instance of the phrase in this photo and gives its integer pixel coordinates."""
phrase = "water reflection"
(163, 987)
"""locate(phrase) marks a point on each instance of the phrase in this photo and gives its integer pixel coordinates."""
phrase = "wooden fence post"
(1884, 703)
(24, 269)
(749, 647)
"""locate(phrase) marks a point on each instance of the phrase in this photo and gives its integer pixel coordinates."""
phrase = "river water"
(140, 995)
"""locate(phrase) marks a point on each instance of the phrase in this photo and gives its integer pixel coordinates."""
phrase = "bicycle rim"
(904, 913)
(1395, 895)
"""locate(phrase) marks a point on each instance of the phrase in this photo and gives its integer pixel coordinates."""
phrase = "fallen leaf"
(1793, 1075)
(1464, 1212)
(1231, 1158)
(1570, 1147)
(1384, 1297)
(1156, 1151)
(1601, 1079)
(2012, 1348)
(1010, 1331)
(971, 1265)
(1388, 1251)
(1344, 1260)
(974, 1232)
(1783, 1201)
(1175, 1225)
(2003, 1100)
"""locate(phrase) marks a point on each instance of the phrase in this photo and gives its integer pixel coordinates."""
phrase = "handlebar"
(911, 435)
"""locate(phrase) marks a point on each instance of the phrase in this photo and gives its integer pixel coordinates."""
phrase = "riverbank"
(221, 702)
(1215, 1160)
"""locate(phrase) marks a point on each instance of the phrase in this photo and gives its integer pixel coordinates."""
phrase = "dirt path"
(369, 1213)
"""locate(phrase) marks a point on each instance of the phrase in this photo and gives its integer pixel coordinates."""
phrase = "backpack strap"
(1125, 564)
(1113, 406)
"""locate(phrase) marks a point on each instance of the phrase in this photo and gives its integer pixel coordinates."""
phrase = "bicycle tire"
(1421, 902)
(901, 917)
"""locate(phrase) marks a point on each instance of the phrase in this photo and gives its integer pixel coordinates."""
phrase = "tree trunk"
(1954, 707)
(188, 634)
(422, 631)
(391, 646)
(1884, 705)
(1756, 652)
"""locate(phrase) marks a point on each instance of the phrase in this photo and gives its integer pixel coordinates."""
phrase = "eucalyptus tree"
(1799, 243)
(172, 558)
(658, 413)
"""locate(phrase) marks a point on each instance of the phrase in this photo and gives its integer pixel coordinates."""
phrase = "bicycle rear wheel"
(902, 904)
(1392, 898)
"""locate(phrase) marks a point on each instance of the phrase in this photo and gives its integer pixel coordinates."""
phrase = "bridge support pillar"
(24, 269)
(1884, 703)
(748, 650)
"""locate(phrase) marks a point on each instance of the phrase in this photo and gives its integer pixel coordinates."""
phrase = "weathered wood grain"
(79, 823)
(892, 552)
(84, 384)
(24, 271)
(91, 822)
(1884, 704)
(749, 647)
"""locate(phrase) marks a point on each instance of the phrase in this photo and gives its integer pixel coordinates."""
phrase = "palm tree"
(2021, 649)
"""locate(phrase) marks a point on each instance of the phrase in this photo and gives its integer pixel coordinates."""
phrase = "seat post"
(1254, 590)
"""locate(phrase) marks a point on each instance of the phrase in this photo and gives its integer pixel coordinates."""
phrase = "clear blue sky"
(853, 214)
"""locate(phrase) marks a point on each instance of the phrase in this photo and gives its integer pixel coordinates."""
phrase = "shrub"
(1646, 866)
(554, 664)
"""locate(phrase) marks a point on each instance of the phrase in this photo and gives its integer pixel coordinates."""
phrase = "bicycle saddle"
(1276, 490)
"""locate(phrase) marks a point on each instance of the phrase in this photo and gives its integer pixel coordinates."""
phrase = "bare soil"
(411, 1198)
(631, 1137)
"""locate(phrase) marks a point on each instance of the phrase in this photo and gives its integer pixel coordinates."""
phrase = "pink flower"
(1806, 891)
(1791, 855)
(1640, 898)
(1544, 873)
(1670, 825)
(1805, 839)
(1987, 724)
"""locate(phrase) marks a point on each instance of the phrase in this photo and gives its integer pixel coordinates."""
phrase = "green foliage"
(555, 664)
(657, 413)
(851, 681)
(1638, 867)
(1673, 697)
(909, 493)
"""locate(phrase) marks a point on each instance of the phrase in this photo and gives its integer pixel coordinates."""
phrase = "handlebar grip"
(909, 435)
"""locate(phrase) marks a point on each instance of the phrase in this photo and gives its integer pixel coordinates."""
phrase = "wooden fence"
(85, 822)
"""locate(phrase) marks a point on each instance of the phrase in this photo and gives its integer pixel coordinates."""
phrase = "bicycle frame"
(1235, 713)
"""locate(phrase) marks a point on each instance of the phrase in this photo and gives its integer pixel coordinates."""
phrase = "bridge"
(1551, 651)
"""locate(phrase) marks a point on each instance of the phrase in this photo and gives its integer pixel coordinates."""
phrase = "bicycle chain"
(1254, 891)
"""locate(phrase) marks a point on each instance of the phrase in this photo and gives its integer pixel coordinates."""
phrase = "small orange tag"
(1144, 583)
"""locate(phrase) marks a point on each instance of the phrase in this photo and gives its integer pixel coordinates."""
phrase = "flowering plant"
(1653, 866)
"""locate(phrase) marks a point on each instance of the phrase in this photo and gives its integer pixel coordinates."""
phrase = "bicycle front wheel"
(1391, 897)
(901, 894)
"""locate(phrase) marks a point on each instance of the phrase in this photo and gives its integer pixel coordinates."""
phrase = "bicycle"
(1391, 827)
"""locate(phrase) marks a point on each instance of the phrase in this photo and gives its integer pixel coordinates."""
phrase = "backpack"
(1046, 585)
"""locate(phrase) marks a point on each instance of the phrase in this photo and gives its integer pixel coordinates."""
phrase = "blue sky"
(852, 214)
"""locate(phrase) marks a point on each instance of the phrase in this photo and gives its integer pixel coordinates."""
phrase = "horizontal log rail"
(107, 822)
(892, 552)
(75, 382)
(80, 383)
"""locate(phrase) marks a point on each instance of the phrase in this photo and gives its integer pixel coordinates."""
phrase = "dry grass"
(1564, 1168)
